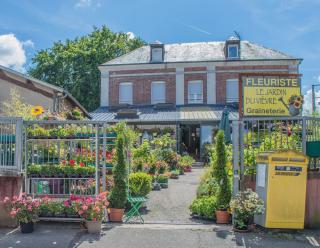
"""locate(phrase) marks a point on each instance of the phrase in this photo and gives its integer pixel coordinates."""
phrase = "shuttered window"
(125, 93)
(195, 92)
(232, 90)
(158, 92)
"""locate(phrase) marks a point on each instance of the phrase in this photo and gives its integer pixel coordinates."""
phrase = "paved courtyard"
(168, 225)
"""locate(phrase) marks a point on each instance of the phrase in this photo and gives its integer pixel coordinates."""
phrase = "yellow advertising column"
(281, 183)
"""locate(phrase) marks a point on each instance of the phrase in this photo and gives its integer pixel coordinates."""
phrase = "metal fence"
(254, 135)
(10, 144)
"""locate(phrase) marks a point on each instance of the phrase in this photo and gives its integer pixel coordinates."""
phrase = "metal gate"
(10, 145)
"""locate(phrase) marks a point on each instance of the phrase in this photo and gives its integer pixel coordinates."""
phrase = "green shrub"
(34, 169)
(186, 161)
(162, 179)
(204, 207)
(140, 184)
(220, 173)
(118, 194)
(208, 188)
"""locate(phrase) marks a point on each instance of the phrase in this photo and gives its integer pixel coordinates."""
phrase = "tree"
(220, 172)
(73, 64)
(118, 194)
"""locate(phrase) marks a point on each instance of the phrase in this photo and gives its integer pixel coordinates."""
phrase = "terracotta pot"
(223, 217)
(116, 214)
(93, 226)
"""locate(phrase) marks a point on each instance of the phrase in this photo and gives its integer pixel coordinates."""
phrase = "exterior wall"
(9, 186)
(213, 75)
(142, 85)
(30, 97)
(223, 73)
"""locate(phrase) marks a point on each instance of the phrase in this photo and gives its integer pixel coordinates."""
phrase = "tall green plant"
(220, 172)
(118, 195)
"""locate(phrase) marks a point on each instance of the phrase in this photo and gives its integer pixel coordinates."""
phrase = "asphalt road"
(168, 224)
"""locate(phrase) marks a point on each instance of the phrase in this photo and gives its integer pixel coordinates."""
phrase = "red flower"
(72, 162)
(82, 164)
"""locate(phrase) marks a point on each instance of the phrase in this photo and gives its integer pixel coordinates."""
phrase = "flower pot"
(116, 214)
(26, 227)
(187, 169)
(222, 216)
(93, 226)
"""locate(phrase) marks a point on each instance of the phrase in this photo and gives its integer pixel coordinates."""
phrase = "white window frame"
(237, 47)
(122, 101)
(160, 100)
(195, 98)
(236, 82)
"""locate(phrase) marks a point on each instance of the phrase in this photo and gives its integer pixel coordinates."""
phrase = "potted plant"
(221, 176)
(118, 194)
(175, 174)
(92, 210)
(34, 170)
(70, 210)
(185, 162)
(244, 206)
(140, 184)
(163, 180)
(23, 209)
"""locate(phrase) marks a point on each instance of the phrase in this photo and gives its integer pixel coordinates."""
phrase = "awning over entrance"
(148, 114)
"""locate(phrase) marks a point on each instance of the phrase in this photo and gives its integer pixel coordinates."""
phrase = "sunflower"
(297, 104)
(37, 110)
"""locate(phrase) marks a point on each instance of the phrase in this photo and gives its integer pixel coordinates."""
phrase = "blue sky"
(291, 26)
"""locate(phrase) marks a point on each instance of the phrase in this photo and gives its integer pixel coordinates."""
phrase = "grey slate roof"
(200, 51)
(180, 114)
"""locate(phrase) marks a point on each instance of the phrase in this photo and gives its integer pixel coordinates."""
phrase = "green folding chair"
(136, 203)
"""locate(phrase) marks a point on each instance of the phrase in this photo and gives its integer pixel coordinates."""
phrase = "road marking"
(169, 226)
(312, 241)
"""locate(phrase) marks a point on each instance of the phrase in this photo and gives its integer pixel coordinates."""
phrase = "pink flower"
(66, 203)
(6, 199)
(84, 207)
(13, 213)
(30, 208)
(80, 212)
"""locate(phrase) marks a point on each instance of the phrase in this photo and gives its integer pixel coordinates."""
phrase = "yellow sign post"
(270, 95)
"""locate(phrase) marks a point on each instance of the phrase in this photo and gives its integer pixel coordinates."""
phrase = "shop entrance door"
(190, 140)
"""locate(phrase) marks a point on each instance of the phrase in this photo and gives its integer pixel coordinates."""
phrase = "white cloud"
(12, 53)
(83, 3)
(131, 35)
(307, 106)
(28, 43)
(87, 4)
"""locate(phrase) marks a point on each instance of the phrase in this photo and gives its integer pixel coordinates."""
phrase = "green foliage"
(220, 173)
(118, 194)
(186, 161)
(34, 169)
(245, 205)
(140, 184)
(73, 64)
(204, 207)
(162, 179)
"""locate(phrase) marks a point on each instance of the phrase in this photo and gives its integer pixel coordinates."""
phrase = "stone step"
(198, 164)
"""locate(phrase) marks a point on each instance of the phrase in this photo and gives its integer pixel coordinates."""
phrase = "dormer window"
(232, 48)
(233, 51)
(157, 52)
